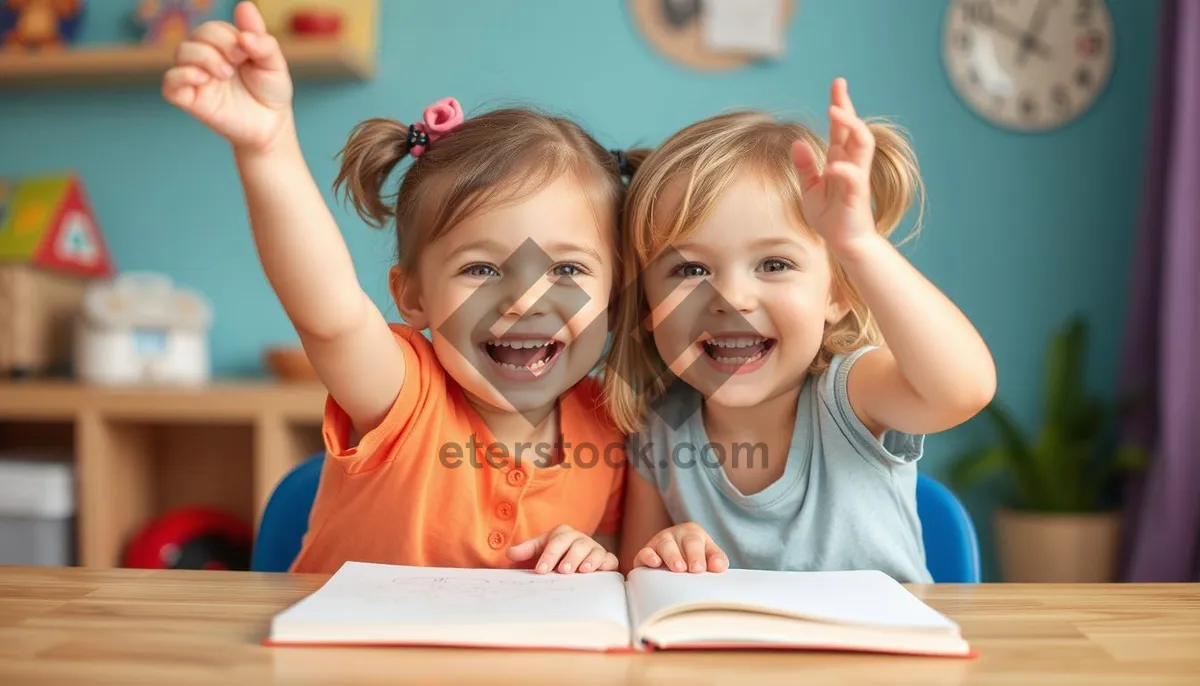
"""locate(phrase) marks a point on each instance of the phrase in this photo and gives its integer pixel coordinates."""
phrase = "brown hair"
(708, 155)
(491, 158)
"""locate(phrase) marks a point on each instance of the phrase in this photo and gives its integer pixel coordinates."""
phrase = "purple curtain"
(1162, 342)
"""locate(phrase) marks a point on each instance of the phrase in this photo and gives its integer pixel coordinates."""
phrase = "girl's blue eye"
(775, 265)
(567, 270)
(481, 271)
(691, 270)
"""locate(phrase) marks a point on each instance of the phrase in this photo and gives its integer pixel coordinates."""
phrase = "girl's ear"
(407, 295)
(839, 304)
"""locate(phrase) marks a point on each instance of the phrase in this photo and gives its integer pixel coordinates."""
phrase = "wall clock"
(1028, 65)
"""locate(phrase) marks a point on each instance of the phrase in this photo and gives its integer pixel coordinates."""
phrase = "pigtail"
(895, 178)
(374, 149)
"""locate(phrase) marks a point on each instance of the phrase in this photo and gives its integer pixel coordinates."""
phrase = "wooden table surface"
(77, 626)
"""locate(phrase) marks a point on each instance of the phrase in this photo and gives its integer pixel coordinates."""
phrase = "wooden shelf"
(140, 452)
(220, 401)
(102, 66)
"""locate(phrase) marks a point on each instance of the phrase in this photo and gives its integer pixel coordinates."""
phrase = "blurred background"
(1034, 209)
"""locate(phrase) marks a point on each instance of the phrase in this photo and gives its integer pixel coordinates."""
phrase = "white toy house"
(141, 329)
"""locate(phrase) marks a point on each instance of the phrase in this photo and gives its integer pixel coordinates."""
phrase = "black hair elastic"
(622, 162)
(417, 137)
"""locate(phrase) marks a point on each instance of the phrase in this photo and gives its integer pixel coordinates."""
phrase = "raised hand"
(234, 79)
(837, 199)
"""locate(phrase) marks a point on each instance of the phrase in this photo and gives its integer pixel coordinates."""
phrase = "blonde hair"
(489, 159)
(707, 156)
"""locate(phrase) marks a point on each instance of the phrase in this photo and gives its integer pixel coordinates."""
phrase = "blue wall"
(1021, 230)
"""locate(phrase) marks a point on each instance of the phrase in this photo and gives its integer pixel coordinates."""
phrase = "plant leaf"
(1131, 457)
(1021, 456)
(1064, 372)
(976, 465)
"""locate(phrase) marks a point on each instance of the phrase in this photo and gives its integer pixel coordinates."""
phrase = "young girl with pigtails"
(456, 450)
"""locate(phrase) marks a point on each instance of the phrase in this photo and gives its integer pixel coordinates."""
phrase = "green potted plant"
(1062, 520)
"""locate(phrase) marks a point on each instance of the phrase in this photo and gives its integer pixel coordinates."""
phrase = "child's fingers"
(805, 159)
(575, 554)
(841, 95)
(849, 179)
(717, 561)
(222, 36)
(247, 17)
(610, 563)
(668, 550)
(204, 56)
(556, 546)
(527, 550)
(594, 560)
(179, 84)
(693, 552)
(859, 144)
(646, 557)
(264, 50)
(838, 133)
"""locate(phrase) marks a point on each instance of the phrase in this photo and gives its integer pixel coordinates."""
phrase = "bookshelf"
(310, 60)
(139, 452)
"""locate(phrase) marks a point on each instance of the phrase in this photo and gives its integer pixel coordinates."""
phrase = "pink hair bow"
(440, 118)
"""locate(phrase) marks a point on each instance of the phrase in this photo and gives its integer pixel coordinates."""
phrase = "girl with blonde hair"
(779, 361)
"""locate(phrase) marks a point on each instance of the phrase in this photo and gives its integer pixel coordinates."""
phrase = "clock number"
(1083, 12)
(1060, 96)
(1090, 45)
(1028, 107)
(978, 11)
(1083, 77)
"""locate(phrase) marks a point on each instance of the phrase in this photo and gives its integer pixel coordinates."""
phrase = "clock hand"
(1029, 39)
(1003, 26)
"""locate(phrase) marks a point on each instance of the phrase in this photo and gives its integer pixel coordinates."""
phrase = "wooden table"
(77, 626)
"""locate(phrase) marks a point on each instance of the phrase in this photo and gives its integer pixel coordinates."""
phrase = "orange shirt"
(412, 493)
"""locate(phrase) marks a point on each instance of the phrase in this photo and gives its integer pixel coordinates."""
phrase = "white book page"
(361, 594)
(865, 598)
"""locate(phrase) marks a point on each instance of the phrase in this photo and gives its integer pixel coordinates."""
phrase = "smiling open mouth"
(736, 351)
(532, 356)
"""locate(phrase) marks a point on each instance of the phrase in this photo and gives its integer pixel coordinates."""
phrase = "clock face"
(1028, 65)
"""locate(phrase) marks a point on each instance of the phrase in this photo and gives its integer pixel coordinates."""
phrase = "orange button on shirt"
(397, 497)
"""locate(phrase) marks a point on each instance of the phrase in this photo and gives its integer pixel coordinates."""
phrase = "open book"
(376, 604)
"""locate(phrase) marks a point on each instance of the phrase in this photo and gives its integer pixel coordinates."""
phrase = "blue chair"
(951, 546)
(285, 519)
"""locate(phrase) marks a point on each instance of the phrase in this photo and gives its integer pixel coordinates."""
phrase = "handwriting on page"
(452, 595)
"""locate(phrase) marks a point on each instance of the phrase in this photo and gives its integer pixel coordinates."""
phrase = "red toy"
(192, 538)
(316, 22)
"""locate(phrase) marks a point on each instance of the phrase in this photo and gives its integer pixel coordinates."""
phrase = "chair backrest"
(285, 519)
(951, 546)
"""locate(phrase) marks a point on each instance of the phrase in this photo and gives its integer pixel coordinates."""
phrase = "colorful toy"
(192, 538)
(168, 22)
(51, 248)
(40, 24)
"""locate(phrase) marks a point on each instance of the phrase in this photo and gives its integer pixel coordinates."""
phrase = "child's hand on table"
(233, 78)
(683, 547)
(565, 550)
